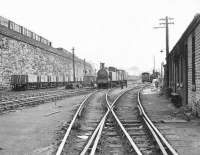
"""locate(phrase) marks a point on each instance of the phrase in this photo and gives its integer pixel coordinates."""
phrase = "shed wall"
(194, 95)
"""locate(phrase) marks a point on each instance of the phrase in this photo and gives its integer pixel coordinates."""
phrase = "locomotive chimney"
(102, 65)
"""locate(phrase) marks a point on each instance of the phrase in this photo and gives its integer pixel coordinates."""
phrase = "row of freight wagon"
(116, 74)
(30, 81)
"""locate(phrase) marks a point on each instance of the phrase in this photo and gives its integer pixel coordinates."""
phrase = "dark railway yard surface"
(39, 129)
(181, 131)
(99, 131)
(113, 140)
(94, 110)
(85, 125)
(32, 130)
(16, 100)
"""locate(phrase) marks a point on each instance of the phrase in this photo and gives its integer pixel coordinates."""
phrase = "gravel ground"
(33, 130)
(86, 124)
(95, 108)
(112, 142)
(37, 130)
(181, 132)
(9, 92)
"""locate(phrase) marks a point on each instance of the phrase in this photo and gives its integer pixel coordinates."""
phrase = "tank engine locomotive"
(110, 77)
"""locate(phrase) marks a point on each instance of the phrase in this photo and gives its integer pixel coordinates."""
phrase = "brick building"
(25, 52)
(184, 66)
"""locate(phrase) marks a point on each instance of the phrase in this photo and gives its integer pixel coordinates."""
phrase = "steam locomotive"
(110, 77)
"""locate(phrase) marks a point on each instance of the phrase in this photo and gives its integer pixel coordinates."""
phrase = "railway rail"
(164, 145)
(124, 127)
(88, 114)
(15, 101)
(94, 112)
(32, 93)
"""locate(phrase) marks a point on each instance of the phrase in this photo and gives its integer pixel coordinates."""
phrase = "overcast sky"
(117, 32)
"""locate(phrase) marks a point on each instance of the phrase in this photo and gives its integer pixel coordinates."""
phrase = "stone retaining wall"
(19, 57)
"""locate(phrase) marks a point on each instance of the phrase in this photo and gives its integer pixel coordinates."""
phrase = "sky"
(119, 33)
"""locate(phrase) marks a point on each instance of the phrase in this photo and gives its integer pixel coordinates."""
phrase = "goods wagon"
(22, 82)
(31, 81)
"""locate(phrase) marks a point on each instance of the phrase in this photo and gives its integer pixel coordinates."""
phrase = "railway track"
(15, 101)
(25, 94)
(82, 125)
(5, 95)
(93, 111)
(124, 128)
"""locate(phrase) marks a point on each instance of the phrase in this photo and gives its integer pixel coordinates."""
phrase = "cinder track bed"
(127, 133)
(127, 112)
(93, 145)
(120, 127)
(84, 125)
(13, 102)
(5, 95)
(31, 93)
(110, 139)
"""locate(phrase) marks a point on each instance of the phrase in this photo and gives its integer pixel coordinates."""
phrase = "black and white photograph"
(100, 77)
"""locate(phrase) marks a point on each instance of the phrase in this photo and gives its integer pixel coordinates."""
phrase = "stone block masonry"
(22, 55)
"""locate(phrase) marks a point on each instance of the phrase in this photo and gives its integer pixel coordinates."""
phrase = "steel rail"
(153, 133)
(119, 123)
(31, 100)
(134, 146)
(84, 151)
(98, 137)
(98, 127)
(93, 135)
(13, 97)
(171, 149)
(60, 148)
(40, 96)
(24, 99)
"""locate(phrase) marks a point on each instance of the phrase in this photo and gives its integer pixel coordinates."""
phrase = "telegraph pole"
(166, 21)
(74, 77)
